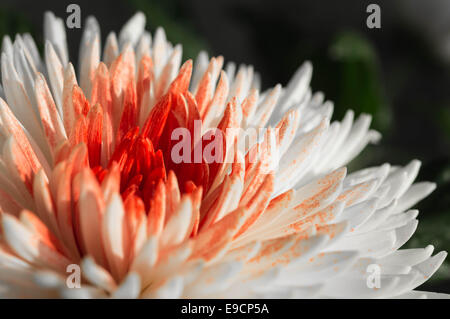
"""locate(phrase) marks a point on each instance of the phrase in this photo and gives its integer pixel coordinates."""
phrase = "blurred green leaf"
(443, 118)
(359, 85)
(12, 23)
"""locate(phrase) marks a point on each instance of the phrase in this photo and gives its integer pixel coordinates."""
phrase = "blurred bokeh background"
(400, 73)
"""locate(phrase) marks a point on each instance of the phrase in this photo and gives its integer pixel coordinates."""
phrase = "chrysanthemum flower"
(87, 178)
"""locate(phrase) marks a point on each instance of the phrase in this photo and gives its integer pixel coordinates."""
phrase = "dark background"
(400, 73)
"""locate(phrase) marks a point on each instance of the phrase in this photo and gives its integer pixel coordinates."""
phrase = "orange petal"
(12, 126)
(18, 164)
(30, 246)
(101, 94)
(122, 73)
(204, 92)
(91, 210)
(156, 120)
(128, 119)
(51, 121)
(258, 203)
(181, 82)
(143, 87)
(157, 212)
(215, 239)
(217, 104)
(94, 138)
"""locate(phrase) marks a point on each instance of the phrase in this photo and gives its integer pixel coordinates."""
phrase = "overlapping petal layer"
(87, 177)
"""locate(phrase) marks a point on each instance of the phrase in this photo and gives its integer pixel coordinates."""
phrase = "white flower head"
(88, 180)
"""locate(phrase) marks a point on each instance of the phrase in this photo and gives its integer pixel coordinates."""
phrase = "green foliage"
(443, 119)
(12, 23)
(359, 85)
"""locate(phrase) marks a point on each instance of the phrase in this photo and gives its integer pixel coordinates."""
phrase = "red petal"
(156, 120)
(94, 139)
(181, 82)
